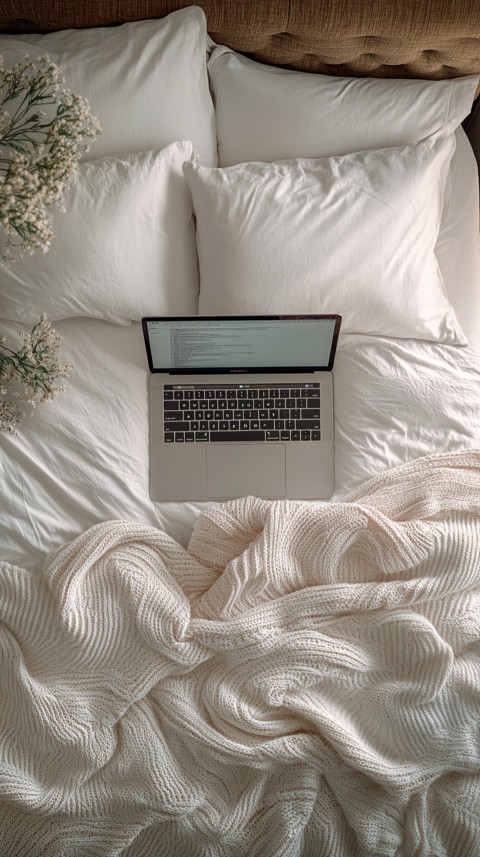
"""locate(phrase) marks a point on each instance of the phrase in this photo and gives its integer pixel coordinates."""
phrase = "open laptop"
(241, 405)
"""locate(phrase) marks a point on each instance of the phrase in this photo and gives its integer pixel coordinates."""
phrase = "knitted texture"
(303, 680)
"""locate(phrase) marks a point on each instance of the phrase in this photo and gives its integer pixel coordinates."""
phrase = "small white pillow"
(124, 247)
(353, 235)
(146, 81)
(265, 113)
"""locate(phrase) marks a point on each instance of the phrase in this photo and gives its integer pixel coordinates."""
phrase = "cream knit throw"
(305, 680)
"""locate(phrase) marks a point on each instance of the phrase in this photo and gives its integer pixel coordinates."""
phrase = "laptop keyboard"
(246, 412)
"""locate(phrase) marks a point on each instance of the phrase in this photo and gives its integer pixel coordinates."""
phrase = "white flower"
(29, 374)
(42, 137)
(43, 132)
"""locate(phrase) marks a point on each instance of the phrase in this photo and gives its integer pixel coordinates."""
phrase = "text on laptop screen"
(239, 343)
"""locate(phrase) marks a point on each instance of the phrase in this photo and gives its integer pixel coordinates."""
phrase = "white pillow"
(124, 247)
(353, 234)
(146, 81)
(458, 245)
(265, 113)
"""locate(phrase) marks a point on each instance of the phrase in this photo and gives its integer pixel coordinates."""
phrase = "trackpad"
(235, 470)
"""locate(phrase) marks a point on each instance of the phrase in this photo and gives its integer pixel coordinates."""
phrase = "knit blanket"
(303, 680)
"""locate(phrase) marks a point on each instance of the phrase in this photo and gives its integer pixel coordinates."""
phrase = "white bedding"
(83, 459)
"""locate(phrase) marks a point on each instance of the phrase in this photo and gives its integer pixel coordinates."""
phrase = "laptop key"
(169, 437)
(179, 427)
(216, 436)
(315, 435)
(189, 437)
(273, 435)
(284, 435)
(201, 435)
(310, 413)
(307, 424)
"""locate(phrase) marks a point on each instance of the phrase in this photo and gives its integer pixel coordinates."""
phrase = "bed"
(263, 677)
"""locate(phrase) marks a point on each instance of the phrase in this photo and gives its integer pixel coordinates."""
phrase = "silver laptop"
(241, 406)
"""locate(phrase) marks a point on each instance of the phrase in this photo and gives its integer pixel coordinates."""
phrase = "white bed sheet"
(84, 458)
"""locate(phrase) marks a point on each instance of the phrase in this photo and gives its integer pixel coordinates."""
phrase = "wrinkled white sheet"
(83, 459)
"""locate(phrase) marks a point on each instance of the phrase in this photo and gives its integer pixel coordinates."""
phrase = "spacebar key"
(236, 435)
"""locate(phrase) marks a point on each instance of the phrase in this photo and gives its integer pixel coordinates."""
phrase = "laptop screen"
(237, 344)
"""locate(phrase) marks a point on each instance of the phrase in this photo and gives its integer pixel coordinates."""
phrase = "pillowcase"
(458, 245)
(146, 81)
(265, 113)
(353, 235)
(124, 247)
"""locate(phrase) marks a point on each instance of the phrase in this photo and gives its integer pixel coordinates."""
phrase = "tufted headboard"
(387, 38)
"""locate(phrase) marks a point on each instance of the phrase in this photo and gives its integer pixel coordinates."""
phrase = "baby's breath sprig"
(43, 133)
(29, 375)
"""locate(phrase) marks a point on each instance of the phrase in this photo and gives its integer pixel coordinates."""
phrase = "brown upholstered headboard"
(388, 38)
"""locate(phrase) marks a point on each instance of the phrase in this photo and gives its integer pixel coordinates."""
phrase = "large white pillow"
(353, 234)
(124, 247)
(146, 81)
(265, 113)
